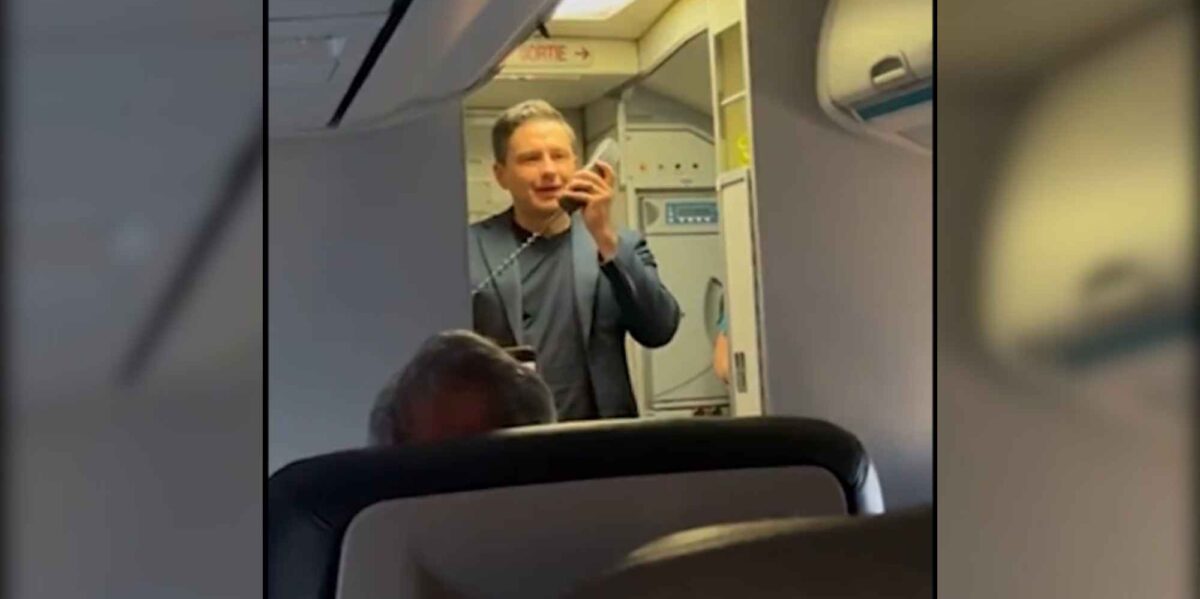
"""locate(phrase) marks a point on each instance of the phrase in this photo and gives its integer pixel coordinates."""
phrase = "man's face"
(540, 160)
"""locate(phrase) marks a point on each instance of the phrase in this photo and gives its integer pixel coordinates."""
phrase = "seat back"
(533, 512)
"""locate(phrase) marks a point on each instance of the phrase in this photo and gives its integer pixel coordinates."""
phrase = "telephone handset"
(606, 151)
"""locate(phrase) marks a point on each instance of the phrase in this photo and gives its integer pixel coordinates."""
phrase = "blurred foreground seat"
(533, 512)
(798, 558)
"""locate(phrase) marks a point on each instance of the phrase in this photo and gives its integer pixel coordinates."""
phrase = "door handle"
(739, 364)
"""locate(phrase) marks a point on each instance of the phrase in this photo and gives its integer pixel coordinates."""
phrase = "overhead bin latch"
(892, 71)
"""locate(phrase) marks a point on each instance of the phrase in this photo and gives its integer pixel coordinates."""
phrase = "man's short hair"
(519, 114)
(458, 364)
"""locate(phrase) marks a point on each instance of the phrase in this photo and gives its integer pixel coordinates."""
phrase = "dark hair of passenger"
(458, 384)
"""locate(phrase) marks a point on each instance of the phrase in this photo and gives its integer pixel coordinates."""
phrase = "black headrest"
(311, 502)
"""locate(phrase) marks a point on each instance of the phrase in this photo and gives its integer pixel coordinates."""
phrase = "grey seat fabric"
(851, 557)
(532, 512)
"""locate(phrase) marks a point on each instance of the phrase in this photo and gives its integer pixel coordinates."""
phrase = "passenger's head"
(458, 384)
(534, 148)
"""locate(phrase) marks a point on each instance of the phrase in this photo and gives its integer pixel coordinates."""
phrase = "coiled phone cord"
(512, 258)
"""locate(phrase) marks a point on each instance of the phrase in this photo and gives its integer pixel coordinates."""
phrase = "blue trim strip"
(918, 96)
(1126, 340)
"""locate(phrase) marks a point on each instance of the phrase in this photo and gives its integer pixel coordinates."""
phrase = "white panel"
(539, 540)
(478, 201)
(682, 370)
(740, 295)
(668, 158)
(478, 148)
(485, 198)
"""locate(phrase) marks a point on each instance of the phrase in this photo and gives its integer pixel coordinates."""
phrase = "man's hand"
(595, 192)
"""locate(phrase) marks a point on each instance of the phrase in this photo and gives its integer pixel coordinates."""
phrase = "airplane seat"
(887, 555)
(532, 512)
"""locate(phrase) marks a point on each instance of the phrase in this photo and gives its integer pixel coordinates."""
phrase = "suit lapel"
(587, 274)
(497, 243)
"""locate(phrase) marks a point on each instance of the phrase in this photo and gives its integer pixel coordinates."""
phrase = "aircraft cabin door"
(683, 231)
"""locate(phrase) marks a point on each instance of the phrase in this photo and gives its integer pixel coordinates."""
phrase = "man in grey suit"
(582, 283)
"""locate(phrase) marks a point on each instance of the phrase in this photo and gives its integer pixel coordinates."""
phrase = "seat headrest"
(311, 502)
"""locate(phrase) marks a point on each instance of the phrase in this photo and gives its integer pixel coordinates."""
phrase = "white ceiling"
(627, 24)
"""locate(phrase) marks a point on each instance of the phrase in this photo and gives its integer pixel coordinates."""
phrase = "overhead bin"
(875, 71)
(365, 63)
(311, 64)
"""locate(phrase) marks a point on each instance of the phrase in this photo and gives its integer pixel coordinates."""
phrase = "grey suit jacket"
(623, 296)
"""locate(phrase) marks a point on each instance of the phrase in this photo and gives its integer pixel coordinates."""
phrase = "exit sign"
(542, 54)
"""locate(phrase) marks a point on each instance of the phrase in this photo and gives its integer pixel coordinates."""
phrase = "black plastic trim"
(399, 8)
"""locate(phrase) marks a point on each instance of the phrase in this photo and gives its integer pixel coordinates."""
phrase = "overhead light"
(293, 50)
(304, 61)
(580, 10)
